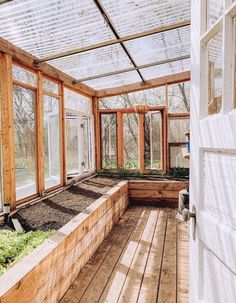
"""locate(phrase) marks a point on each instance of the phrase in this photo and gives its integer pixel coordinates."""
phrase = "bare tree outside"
(178, 102)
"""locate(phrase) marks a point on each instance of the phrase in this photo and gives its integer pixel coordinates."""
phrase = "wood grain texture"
(159, 192)
(7, 131)
(46, 273)
(171, 79)
(140, 261)
(22, 57)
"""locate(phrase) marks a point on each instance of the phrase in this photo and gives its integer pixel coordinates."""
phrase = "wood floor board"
(144, 259)
(101, 278)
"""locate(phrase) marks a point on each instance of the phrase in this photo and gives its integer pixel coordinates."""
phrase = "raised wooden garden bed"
(46, 274)
(159, 193)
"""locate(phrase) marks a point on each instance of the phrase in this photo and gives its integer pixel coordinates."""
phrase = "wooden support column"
(141, 142)
(120, 139)
(166, 96)
(63, 135)
(164, 139)
(97, 132)
(7, 133)
(40, 135)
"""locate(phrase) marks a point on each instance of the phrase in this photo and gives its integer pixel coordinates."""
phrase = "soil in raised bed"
(55, 211)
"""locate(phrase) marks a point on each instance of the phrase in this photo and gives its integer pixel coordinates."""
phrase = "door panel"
(213, 158)
(219, 281)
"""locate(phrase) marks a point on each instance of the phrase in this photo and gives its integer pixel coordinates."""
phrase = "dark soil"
(56, 211)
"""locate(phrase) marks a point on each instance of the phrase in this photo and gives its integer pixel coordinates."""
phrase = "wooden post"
(97, 133)
(164, 138)
(120, 139)
(40, 135)
(166, 96)
(62, 135)
(141, 142)
(7, 134)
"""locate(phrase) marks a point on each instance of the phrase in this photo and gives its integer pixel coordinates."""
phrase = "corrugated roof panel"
(49, 27)
(171, 44)
(133, 16)
(165, 69)
(99, 61)
(115, 80)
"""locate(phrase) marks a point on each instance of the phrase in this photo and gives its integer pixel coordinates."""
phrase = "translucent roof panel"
(166, 45)
(51, 26)
(165, 69)
(150, 97)
(215, 10)
(133, 16)
(91, 63)
(114, 80)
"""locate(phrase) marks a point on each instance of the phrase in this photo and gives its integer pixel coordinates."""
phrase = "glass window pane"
(25, 141)
(51, 121)
(86, 144)
(109, 141)
(77, 102)
(177, 129)
(176, 157)
(22, 75)
(131, 145)
(215, 74)
(149, 97)
(72, 144)
(50, 86)
(152, 137)
(215, 11)
(179, 97)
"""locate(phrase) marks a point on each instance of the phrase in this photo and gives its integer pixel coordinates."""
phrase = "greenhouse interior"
(118, 151)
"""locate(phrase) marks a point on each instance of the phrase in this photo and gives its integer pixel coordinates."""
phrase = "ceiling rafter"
(113, 29)
(134, 68)
(114, 41)
(5, 1)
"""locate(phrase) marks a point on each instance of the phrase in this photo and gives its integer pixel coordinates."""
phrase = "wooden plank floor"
(143, 259)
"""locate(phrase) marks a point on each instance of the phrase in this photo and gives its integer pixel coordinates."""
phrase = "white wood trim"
(217, 26)
(227, 94)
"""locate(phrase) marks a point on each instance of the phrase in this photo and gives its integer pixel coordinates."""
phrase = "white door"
(213, 152)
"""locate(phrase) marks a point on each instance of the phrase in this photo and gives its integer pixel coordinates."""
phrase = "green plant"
(14, 246)
(178, 172)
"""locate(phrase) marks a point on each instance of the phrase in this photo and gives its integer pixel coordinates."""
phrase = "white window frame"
(226, 23)
(91, 150)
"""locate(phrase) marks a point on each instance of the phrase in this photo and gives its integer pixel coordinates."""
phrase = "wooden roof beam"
(28, 60)
(113, 29)
(171, 79)
(114, 41)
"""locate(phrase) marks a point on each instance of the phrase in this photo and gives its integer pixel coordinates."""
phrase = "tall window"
(25, 132)
(131, 141)
(153, 141)
(51, 123)
(109, 140)
(72, 144)
(86, 143)
(79, 152)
